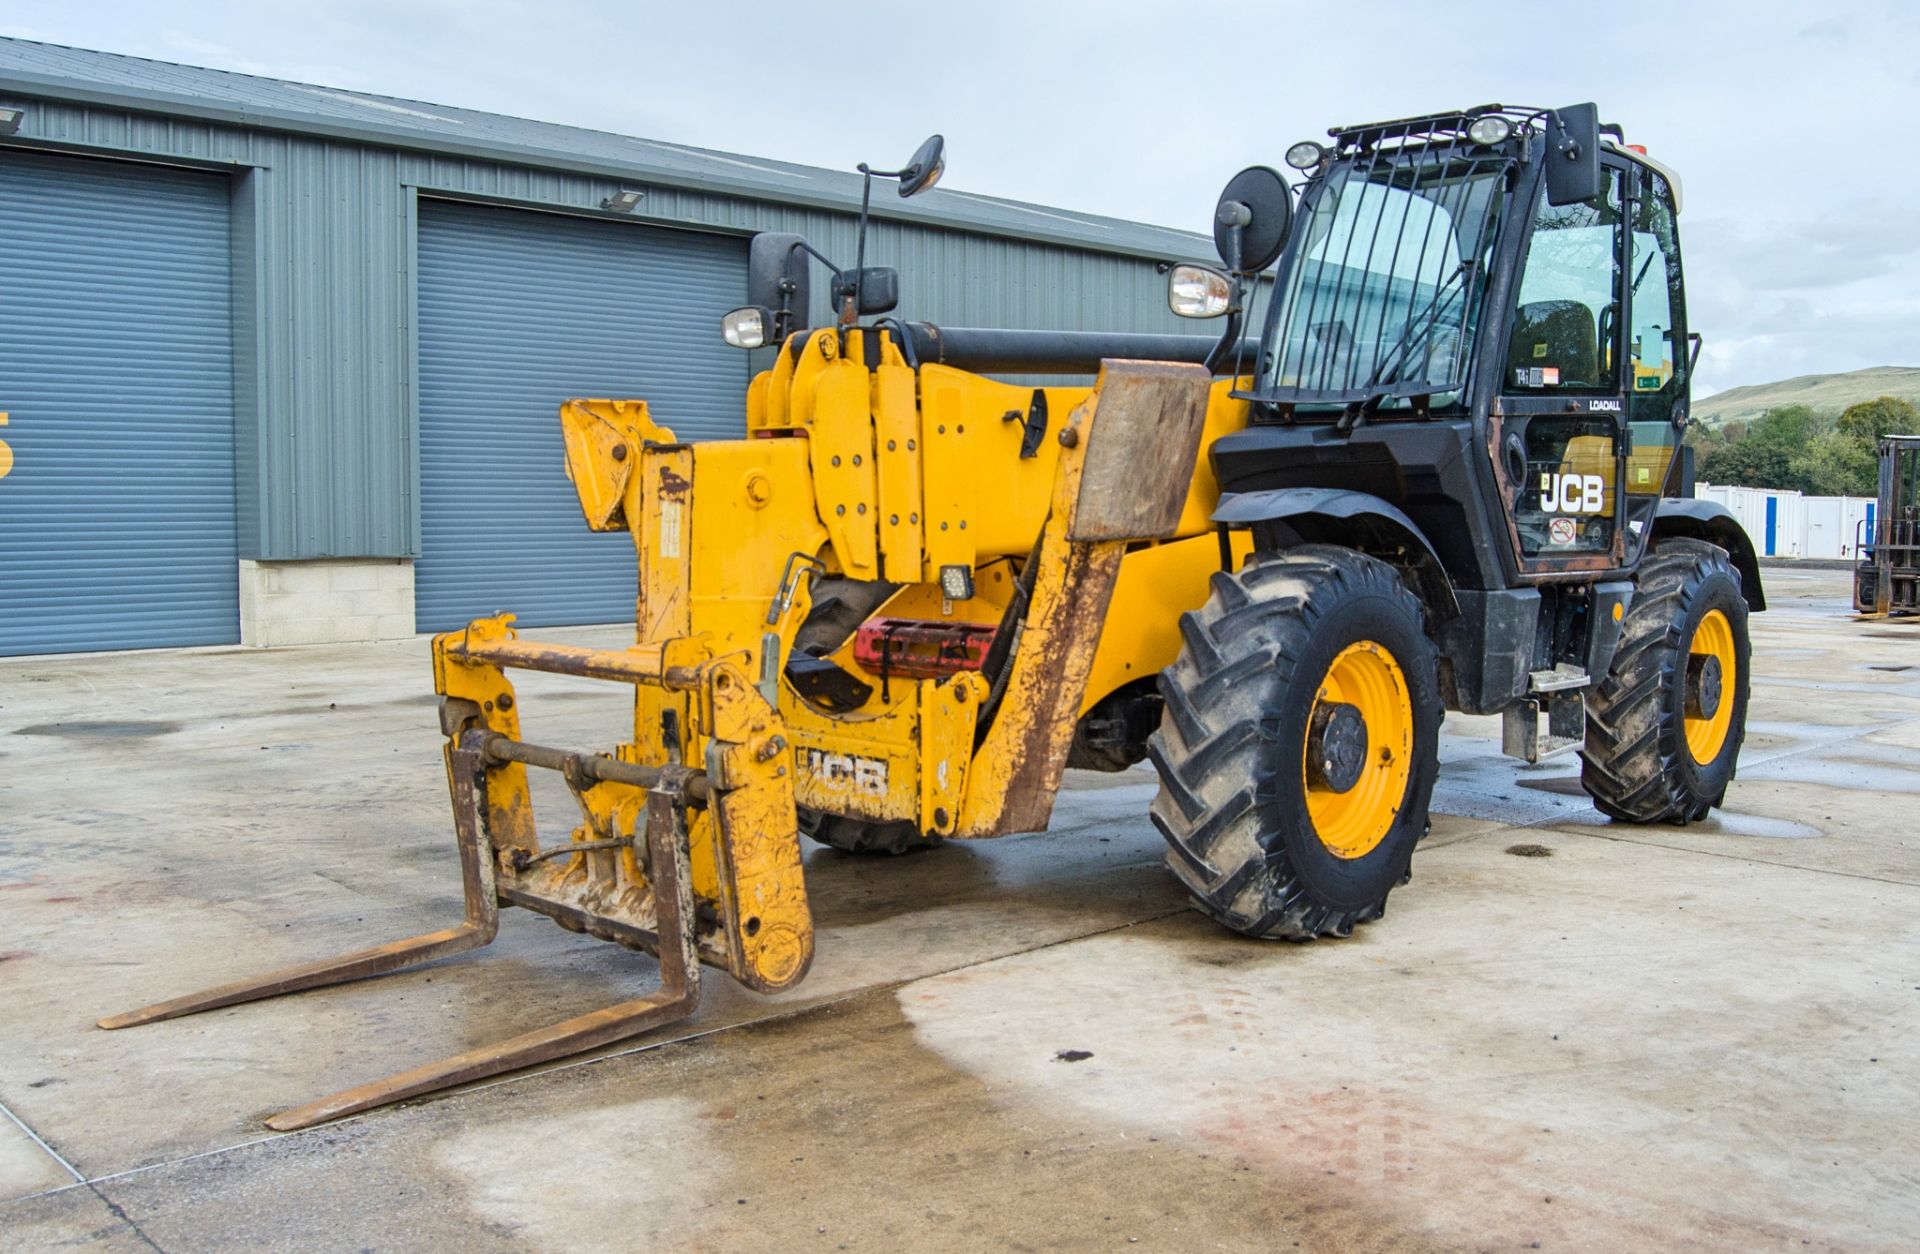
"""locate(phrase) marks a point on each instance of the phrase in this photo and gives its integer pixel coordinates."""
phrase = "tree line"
(1804, 449)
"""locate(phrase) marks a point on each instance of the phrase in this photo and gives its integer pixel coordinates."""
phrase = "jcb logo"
(845, 772)
(1571, 494)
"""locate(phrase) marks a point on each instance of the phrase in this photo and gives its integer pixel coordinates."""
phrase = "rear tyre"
(1664, 727)
(1299, 745)
(839, 607)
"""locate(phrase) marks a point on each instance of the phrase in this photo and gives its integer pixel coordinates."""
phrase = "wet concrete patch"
(1719, 823)
(1563, 785)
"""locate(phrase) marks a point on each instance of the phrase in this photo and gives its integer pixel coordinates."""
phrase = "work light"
(745, 327)
(1305, 155)
(1198, 291)
(1489, 130)
(956, 583)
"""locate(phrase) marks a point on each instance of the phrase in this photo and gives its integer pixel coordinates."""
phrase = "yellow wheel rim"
(1713, 638)
(1352, 823)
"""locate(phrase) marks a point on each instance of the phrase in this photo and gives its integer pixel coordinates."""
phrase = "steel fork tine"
(481, 925)
(679, 994)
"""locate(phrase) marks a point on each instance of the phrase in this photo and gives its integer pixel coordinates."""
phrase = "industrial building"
(280, 363)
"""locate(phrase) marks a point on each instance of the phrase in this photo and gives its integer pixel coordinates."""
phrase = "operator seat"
(1557, 333)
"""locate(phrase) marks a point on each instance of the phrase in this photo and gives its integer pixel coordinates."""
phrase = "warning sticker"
(1562, 531)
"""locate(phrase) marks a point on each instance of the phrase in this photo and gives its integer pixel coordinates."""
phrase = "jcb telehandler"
(1438, 477)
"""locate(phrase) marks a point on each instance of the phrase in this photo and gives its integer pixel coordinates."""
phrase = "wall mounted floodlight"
(626, 200)
(10, 120)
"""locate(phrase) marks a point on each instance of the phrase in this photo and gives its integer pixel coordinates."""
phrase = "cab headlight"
(1198, 292)
(746, 327)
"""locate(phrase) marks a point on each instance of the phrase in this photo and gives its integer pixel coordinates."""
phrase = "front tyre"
(1299, 745)
(1665, 725)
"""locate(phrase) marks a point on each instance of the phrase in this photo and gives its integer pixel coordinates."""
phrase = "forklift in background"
(1887, 579)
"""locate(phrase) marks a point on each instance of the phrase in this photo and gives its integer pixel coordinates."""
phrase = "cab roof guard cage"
(1377, 301)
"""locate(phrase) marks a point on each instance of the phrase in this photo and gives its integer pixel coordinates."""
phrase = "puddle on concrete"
(1719, 823)
(100, 730)
(1890, 666)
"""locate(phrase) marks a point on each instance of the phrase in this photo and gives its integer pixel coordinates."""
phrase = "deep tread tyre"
(1637, 764)
(864, 836)
(1233, 801)
(839, 607)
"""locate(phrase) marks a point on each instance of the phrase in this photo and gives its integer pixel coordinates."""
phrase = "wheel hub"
(1703, 685)
(1336, 746)
(1713, 679)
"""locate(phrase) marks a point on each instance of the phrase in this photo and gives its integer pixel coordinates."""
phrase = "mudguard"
(1358, 519)
(1714, 523)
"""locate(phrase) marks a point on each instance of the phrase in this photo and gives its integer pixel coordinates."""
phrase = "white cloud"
(1795, 232)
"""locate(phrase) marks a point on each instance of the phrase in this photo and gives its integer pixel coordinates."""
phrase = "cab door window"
(1564, 316)
(1657, 336)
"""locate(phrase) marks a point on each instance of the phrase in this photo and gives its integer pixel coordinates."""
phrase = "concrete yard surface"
(1567, 1033)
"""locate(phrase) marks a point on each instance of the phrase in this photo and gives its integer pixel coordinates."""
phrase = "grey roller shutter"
(116, 368)
(518, 312)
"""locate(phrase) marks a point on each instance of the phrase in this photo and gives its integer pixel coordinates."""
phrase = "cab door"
(1558, 432)
(1658, 359)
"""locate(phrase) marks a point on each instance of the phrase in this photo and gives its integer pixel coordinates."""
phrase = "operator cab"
(1515, 271)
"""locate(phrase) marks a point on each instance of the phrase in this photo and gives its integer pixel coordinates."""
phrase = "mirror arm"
(1230, 338)
(1235, 216)
(850, 303)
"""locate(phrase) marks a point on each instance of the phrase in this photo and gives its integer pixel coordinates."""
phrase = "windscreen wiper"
(1410, 334)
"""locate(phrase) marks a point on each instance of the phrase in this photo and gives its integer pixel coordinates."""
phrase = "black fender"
(1714, 523)
(1358, 520)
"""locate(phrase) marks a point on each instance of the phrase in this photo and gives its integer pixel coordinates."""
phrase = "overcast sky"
(1784, 119)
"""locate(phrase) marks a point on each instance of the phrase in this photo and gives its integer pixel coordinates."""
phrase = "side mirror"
(878, 288)
(928, 164)
(1573, 155)
(1198, 291)
(777, 282)
(1253, 219)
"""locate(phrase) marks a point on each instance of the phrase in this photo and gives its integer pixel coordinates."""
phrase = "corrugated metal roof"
(51, 71)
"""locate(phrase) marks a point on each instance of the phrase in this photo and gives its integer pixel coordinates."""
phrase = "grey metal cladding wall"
(519, 311)
(117, 522)
(328, 450)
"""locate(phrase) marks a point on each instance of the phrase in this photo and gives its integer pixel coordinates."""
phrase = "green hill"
(1829, 393)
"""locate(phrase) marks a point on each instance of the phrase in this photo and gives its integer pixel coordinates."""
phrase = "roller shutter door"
(116, 371)
(518, 312)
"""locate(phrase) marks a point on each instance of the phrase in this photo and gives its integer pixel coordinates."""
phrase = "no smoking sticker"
(1561, 531)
